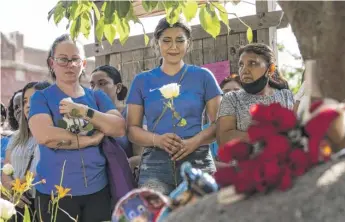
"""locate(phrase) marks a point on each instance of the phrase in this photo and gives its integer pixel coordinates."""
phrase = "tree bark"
(320, 33)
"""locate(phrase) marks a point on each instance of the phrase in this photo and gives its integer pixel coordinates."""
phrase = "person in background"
(22, 151)
(59, 119)
(108, 79)
(167, 146)
(5, 134)
(14, 110)
(256, 70)
(228, 84)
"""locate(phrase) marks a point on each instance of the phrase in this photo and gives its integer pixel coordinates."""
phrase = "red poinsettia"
(260, 113)
(286, 179)
(298, 162)
(283, 119)
(260, 131)
(276, 147)
(225, 176)
(244, 176)
(234, 150)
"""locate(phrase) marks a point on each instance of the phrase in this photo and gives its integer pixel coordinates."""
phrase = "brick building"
(21, 64)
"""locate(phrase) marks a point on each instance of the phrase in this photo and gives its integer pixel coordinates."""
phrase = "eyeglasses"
(64, 61)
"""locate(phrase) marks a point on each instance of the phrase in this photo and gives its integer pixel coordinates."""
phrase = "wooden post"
(269, 35)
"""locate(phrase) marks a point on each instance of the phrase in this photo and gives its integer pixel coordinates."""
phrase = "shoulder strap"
(166, 108)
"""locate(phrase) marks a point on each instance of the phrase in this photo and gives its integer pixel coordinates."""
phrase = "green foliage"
(113, 17)
(62, 124)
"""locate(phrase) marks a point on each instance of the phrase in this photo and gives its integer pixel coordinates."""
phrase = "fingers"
(178, 154)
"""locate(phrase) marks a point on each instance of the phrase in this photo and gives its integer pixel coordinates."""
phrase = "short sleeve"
(212, 88)
(227, 105)
(135, 95)
(38, 104)
(103, 101)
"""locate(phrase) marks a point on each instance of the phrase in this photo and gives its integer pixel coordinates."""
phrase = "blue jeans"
(157, 172)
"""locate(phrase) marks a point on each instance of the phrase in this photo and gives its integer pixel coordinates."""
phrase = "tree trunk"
(320, 33)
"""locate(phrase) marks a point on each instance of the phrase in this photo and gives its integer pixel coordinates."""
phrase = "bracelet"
(153, 140)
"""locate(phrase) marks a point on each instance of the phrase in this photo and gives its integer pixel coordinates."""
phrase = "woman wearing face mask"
(261, 84)
(108, 79)
(167, 146)
(14, 110)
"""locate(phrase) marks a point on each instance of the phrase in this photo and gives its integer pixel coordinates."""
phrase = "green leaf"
(189, 10)
(95, 9)
(146, 39)
(123, 29)
(250, 35)
(85, 26)
(88, 127)
(26, 214)
(110, 32)
(210, 24)
(59, 13)
(100, 29)
(222, 14)
(146, 5)
(109, 12)
(62, 124)
(122, 8)
(173, 12)
(75, 28)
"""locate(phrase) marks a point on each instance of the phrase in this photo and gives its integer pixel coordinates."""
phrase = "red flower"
(225, 176)
(315, 105)
(316, 129)
(298, 162)
(260, 113)
(272, 172)
(259, 180)
(260, 131)
(244, 181)
(276, 147)
(234, 150)
(286, 180)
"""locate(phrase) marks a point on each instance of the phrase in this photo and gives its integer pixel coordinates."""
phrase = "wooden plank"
(150, 64)
(196, 56)
(150, 53)
(188, 57)
(102, 60)
(208, 52)
(115, 60)
(268, 35)
(233, 47)
(221, 48)
(136, 42)
(243, 39)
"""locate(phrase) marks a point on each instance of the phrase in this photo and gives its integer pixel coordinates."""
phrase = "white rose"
(69, 99)
(8, 169)
(170, 91)
(7, 209)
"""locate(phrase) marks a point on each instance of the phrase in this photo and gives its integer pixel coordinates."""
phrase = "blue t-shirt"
(51, 160)
(124, 142)
(4, 143)
(197, 88)
(214, 145)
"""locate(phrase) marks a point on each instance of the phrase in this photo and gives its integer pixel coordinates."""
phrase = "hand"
(67, 105)
(169, 142)
(189, 146)
(96, 138)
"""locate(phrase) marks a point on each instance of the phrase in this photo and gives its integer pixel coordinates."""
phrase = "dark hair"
(42, 85)
(11, 119)
(62, 38)
(3, 111)
(115, 75)
(163, 24)
(276, 81)
(231, 77)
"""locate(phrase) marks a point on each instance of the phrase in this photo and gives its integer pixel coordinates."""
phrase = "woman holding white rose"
(74, 147)
(172, 97)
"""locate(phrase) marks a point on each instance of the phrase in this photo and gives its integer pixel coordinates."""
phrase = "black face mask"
(256, 86)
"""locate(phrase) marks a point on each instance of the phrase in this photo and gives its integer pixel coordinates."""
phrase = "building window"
(20, 75)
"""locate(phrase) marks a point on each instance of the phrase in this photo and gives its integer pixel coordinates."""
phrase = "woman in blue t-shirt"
(69, 121)
(108, 79)
(169, 145)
